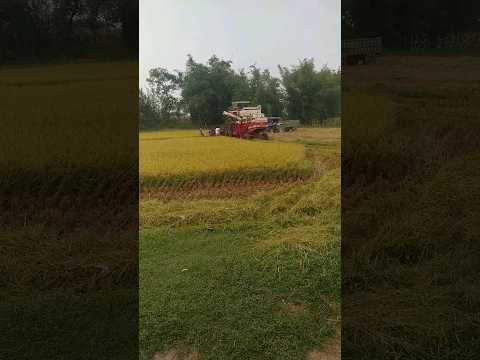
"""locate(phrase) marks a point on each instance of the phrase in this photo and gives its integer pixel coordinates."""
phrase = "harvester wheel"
(263, 135)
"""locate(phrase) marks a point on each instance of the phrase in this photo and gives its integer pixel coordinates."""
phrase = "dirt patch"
(176, 354)
(330, 351)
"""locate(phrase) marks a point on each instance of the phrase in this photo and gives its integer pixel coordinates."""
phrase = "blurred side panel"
(69, 179)
(410, 180)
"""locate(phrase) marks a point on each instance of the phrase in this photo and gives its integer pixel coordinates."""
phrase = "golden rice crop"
(169, 134)
(179, 157)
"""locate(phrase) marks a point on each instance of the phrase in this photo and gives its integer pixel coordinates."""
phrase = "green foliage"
(311, 94)
(43, 30)
(149, 114)
(163, 86)
(207, 89)
(241, 90)
(266, 91)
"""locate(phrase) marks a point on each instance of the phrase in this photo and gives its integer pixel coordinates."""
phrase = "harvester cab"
(239, 104)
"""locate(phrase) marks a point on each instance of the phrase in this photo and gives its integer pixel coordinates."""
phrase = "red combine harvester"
(246, 122)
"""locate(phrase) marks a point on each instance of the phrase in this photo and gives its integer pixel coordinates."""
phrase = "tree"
(330, 92)
(128, 17)
(163, 85)
(400, 21)
(266, 91)
(41, 30)
(149, 114)
(100, 14)
(311, 94)
(241, 87)
(207, 90)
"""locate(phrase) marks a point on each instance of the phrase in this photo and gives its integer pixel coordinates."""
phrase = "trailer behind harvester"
(361, 50)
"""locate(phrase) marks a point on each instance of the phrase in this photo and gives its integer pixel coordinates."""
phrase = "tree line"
(204, 91)
(401, 22)
(42, 30)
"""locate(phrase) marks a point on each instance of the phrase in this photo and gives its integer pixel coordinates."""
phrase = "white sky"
(262, 32)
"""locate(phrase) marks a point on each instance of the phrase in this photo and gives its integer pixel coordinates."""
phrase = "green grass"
(254, 278)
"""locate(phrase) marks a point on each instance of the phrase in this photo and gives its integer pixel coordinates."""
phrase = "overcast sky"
(261, 32)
